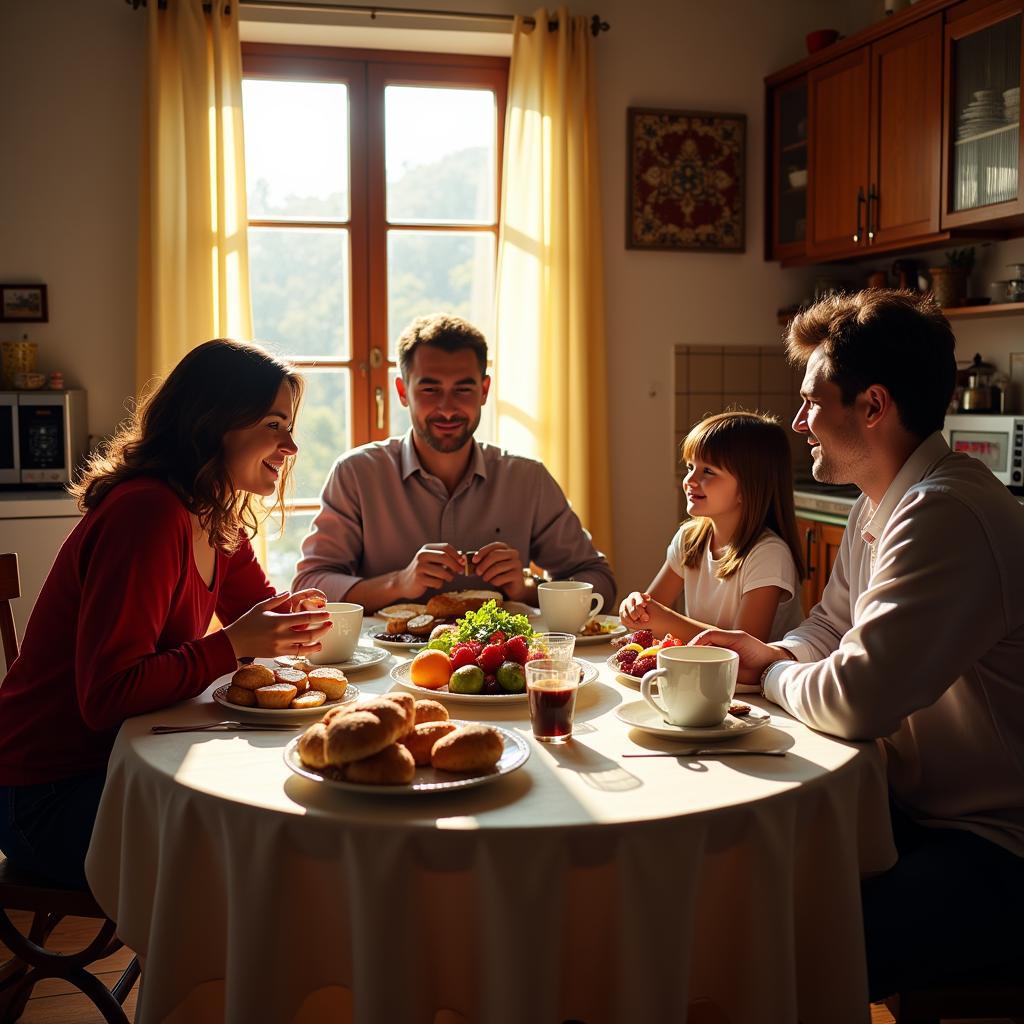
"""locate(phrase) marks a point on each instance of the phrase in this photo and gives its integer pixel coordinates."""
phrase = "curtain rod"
(597, 25)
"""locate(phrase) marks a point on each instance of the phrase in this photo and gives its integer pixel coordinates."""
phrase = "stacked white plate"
(1011, 105)
(983, 114)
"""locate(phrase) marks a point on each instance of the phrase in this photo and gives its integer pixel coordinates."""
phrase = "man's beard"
(446, 443)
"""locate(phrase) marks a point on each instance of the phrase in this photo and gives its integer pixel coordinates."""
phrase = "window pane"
(299, 281)
(296, 149)
(439, 272)
(324, 430)
(441, 148)
(283, 550)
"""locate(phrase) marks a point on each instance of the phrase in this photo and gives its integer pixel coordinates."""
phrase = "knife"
(710, 752)
(163, 730)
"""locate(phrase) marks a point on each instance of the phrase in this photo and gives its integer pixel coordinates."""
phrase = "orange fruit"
(431, 669)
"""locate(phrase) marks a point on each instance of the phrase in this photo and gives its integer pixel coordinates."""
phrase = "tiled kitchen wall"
(712, 378)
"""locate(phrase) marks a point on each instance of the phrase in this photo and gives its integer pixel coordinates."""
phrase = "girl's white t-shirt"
(709, 599)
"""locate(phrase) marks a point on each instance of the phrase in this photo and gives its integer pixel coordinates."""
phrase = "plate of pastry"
(279, 691)
(402, 674)
(440, 755)
(601, 629)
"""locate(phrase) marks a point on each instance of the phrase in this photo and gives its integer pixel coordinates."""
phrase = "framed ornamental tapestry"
(686, 182)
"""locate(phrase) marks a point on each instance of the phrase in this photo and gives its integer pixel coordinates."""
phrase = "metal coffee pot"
(978, 395)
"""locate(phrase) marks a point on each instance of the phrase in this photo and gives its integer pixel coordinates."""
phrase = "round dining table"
(584, 886)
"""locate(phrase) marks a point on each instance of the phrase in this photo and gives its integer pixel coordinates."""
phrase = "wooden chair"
(48, 903)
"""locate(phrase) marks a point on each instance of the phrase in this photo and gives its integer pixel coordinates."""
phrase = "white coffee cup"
(340, 642)
(696, 685)
(566, 605)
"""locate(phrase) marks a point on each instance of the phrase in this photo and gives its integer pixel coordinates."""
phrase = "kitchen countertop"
(37, 504)
(810, 496)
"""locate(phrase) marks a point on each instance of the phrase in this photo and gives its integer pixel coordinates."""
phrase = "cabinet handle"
(872, 205)
(860, 202)
(808, 543)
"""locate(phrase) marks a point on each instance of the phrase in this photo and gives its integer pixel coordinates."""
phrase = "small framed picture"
(23, 303)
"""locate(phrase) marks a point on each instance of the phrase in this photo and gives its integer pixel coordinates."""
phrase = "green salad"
(479, 625)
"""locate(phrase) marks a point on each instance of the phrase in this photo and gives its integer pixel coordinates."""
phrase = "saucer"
(640, 715)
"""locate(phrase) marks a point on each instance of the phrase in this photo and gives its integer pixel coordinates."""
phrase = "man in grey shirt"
(435, 510)
(917, 641)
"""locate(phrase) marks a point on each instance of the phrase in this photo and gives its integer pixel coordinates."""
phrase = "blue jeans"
(45, 828)
(948, 911)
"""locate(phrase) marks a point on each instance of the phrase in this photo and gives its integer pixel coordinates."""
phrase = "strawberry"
(641, 665)
(623, 658)
(536, 655)
(643, 637)
(517, 650)
(476, 646)
(462, 654)
(491, 657)
(671, 641)
(498, 637)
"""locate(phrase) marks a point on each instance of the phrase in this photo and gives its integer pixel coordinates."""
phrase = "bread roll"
(430, 711)
(312, 746)
(407, 702)
(396, 622)
(252, 677)
(420, 742)
(241, 696)
(470, 748)
(276, 695)
(360, 734)
(294, 676)
(392, 766)
(309, 699)
(343, 709)
(391, 712)
(331, 680)
(420, 625)
(458, 602)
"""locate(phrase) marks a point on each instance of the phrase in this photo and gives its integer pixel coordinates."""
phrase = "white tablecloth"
(582, 886)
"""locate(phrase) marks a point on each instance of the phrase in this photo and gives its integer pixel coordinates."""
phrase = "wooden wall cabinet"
(876, 145)
(821, 542)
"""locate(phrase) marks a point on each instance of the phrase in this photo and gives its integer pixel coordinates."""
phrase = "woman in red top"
(120, 626)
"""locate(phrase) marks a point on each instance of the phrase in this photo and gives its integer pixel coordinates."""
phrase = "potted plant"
(949, 283)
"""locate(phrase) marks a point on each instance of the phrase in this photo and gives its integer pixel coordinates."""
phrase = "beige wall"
(71, 80)
(71, 77)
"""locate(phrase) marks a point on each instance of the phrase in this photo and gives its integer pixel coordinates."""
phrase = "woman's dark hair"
(898, 339)
(176, 434)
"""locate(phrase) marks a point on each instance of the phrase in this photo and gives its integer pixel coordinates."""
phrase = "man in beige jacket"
(918, 641)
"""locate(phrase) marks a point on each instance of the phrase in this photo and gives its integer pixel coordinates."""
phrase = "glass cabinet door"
(790, 169)
(985, 115)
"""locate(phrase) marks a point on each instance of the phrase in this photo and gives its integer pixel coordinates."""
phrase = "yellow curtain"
(550, 359)
(193, 258)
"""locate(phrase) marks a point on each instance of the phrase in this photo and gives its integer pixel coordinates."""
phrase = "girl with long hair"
(737, 560)
(121, 624)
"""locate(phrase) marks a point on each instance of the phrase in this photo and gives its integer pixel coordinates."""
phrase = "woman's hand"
(270, 629)
(634, 610)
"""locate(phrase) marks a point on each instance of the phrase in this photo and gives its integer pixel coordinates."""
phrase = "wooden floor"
(55, 1002)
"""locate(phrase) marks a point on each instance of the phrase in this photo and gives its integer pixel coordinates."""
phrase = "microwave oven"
(44, 436)
(994, 439)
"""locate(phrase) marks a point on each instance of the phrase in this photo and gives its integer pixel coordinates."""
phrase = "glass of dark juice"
(551, 687)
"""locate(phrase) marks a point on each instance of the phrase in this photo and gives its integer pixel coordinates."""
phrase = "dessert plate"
(426, 780)
(220, 696)
(640, 715)
(401, 675)
(362, 657)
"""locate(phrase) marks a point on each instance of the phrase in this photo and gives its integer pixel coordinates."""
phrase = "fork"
(163, 730)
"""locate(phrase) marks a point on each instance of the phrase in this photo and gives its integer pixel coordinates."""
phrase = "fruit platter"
(638, 653)
(483, 654)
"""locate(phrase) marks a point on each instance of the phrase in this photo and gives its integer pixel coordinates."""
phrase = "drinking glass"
(555, 646)
(551, 687)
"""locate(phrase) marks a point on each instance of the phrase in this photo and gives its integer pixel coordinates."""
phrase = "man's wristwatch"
(764, 675)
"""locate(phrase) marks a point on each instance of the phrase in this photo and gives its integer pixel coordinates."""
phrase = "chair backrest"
(10, 588)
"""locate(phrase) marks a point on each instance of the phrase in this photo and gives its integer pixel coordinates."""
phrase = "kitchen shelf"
(792, 147)
(989, 134)
(983, 312)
